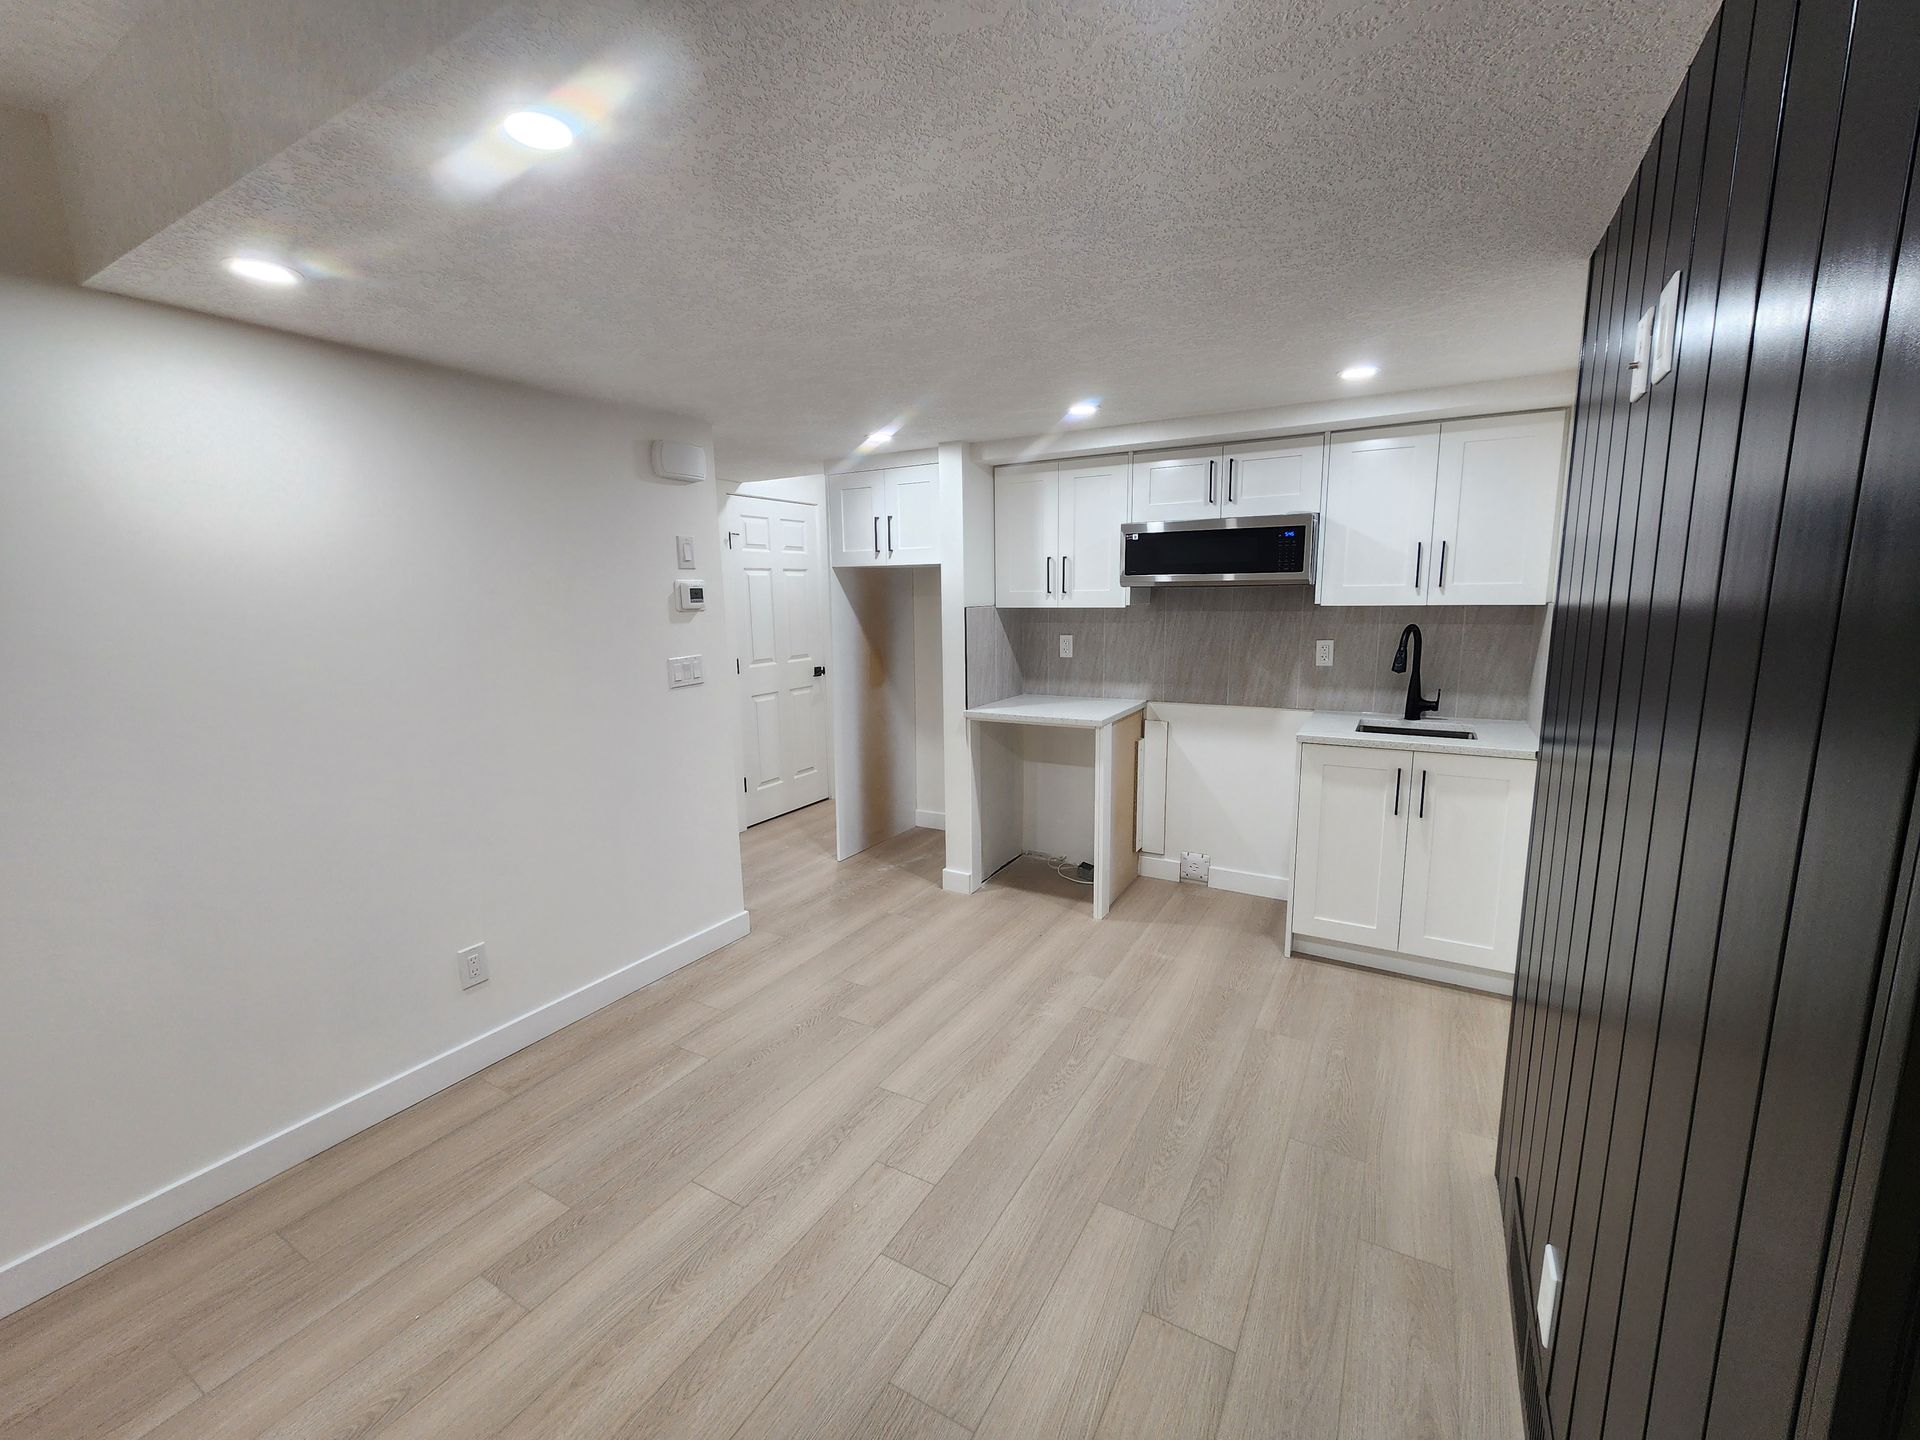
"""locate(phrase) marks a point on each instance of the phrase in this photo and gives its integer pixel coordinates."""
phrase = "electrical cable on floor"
(1066, 869)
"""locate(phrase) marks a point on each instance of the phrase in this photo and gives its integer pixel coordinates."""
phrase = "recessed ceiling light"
(262, 272)
(879, 438)
(538, 130)
(1083, 409)
(1359, 372)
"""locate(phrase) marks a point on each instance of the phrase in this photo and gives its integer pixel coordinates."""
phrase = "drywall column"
(966, 578)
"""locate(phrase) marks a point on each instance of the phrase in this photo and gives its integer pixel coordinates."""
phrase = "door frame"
(800, 490)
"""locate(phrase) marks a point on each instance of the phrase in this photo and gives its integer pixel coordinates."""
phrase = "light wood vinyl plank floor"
(901, 1165)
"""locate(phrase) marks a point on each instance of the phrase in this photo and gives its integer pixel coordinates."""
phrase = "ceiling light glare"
(538, 130)
(1083, 409)
(1360, 372)
(877, 439)
(262, 272)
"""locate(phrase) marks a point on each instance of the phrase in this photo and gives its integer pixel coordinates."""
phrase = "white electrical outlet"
(1195, 866)
(1323, 652)
(1548, 1301)
(473, 966)
(1066, 647)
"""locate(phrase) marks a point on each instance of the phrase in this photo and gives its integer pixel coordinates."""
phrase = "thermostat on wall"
(690, 594)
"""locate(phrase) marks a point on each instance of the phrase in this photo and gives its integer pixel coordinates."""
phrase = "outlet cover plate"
(1323, 652)
(1195, 866)
(473, 966)
(1066, 647)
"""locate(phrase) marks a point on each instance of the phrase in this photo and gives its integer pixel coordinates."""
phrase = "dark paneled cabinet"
(1707, 1091)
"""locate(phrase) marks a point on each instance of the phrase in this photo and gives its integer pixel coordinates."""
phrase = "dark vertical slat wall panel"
(1729, 748)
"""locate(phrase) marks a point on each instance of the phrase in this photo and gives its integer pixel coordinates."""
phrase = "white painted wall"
(929, 742)
(317, 667)
(966, 578)
(33, 234)
(1231, 786)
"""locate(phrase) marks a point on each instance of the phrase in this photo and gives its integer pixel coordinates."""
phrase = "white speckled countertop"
(1498, 739)
(1080, 712)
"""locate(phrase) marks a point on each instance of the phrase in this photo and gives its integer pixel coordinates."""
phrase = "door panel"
(1466, 858)
(911, 531)
(1176, 485)
(1093, 507)
(775, 602)
(1352, 843)
(1026, 503)
(1493, 513)
(1274, 477)
(856, 508)
(1379, 516)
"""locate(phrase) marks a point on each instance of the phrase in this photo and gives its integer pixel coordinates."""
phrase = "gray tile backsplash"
(1233, 645)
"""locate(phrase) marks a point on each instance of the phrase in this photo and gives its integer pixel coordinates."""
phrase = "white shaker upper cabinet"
(1466, 858)
(1274, 477)
(1379, 516)
(1093, 507)
(913, 507)
(1178, 484)
(856, 509)
(1349, 854)
(1493, 511)
(1026, 536)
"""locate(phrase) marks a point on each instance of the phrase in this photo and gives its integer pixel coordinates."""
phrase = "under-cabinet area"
(887, 692)
(1446, 512)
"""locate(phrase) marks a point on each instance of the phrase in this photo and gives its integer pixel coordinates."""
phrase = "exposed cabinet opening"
(889, 752)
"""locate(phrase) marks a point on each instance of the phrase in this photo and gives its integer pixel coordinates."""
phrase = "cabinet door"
(1177, 485)
(1026, 536)
(1379, 517)
(1493, 511)
(1093, 507)
(1274, 477)
(1466, 858)
(1350, 845)
(911, 530)
(856, 510)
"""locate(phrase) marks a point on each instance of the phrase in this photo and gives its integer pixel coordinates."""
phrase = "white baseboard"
(40, 1272)
(960, 882)
(1493, 982)
(930, 819)
(1221, 877)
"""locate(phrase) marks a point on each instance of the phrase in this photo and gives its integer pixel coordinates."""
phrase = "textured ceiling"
(49, 46)
(810, 219)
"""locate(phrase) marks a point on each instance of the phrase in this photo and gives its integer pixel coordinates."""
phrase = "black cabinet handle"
(1210, 465)
(1396, 789)
(1443, 564)
(1423, 794)
(1065, 589)
(1419, 554)
(1049, 574)
(1230, 465)
(876, 537)
(889, 534)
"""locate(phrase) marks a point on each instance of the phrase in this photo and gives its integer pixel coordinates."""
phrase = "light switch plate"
(1642, 357)
(685, 670)
(1665, 320)
(1066, 647)
(1547, 1303)
(683, 548)
(1323, 652)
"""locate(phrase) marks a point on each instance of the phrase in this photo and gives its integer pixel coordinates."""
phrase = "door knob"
(818, 671)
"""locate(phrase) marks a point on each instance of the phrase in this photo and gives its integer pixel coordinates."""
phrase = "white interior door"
(1177, 485)
(1275, 477)
(912, 528)
(1351, 841)
(856, 511)
(776, 611)
(1493, 512)
(1466, 858)
(1026, 536)
(1379, 517)
(1093, 507)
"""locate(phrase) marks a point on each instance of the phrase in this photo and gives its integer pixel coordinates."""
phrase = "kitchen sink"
(1424, 728)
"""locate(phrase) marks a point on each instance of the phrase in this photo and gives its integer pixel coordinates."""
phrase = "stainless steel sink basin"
(1415, 727)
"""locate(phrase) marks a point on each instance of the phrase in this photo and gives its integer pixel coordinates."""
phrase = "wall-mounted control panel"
(685, 670)
(690, 594)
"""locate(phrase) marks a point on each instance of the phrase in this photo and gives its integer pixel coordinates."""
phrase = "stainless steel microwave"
(1228, 550)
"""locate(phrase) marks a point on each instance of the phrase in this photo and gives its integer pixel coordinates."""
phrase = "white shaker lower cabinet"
(1352, 841)
(1415, 853)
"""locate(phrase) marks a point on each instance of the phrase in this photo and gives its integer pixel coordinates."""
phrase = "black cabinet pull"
(1210, 465)
(1230, 465)
(1443, 564)
(889, 534)
(1065, 589)
(1423, 794)
(1049, 574)
(876, 537)
(1396, 789)
(1419, 554)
